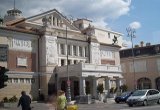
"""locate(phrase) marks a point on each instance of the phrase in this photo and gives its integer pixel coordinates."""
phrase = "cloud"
(96, 10)
(135, 25)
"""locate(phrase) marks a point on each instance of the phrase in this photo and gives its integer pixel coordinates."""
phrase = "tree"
(3, 76)
(100, 88)
(123, 88)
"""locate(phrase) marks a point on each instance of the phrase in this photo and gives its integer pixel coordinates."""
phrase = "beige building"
(143, 70)
(39, 48)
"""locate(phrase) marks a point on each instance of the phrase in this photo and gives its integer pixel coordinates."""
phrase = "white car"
(144, 97)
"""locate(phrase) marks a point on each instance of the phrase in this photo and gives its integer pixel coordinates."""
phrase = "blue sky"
(117, 15)
(146, 12)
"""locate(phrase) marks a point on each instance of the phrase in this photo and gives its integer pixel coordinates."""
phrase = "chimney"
(141, 44)
(148, 44)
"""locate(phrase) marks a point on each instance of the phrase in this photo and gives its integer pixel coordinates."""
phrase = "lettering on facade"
(3, 52)
(106, 54)
(21, 44)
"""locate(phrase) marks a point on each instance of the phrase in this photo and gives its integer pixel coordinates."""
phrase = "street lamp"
(68, 80)
(131, 33)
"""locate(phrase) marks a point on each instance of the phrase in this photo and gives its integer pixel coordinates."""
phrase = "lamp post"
(131, 33)
(68, 80)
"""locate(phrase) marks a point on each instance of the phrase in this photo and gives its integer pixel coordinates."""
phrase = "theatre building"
(43, 51)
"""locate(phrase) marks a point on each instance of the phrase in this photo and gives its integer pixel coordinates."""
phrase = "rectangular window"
(62, 49)
(69, 50)
(22, 61)
(80, 51)
(85, 51)
(69, 62)
(74, 50)
(62, 62)
(109, 35)
(75, 62)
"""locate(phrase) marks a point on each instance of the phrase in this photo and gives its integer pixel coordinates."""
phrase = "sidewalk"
(108, 101)
(47, 106)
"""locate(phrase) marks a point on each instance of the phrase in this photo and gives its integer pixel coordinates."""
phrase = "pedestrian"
(61, 100)
(24, 101)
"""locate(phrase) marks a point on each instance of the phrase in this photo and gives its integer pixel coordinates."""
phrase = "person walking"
(24, 101)
(61, 100)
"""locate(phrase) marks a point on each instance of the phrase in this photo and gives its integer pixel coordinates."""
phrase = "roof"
(13, 22)
(11, 28)
(139, 51)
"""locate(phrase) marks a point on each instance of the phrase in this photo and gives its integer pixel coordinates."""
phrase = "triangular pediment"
(52, 18)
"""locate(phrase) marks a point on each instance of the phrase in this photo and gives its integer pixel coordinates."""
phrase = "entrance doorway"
(158, 83)
(76, 88)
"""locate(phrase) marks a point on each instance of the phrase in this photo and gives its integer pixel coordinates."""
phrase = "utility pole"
(131, 33)
(68, 79)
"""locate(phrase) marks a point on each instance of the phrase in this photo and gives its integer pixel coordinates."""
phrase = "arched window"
(144, 83)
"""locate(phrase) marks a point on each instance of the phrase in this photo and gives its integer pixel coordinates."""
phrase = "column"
(71, 50)
(118, 83)
(51, 20)
(82, 86)
(77, 51)
(65, 49)
(95, 83)
(72, 61)
(59, 62)
(65, 62)
(55, 21)
(83, 51)
(59, 49)
(107, 84)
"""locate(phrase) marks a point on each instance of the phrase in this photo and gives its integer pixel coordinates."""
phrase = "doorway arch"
(158, 83)
(144, 83)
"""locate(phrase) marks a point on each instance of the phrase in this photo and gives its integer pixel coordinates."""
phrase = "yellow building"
(143, 70)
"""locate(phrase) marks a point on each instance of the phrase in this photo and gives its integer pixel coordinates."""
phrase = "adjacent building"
(141, 70)
(39, 50)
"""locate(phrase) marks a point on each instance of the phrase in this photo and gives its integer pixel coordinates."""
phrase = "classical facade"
(45, 50)
(143, 70)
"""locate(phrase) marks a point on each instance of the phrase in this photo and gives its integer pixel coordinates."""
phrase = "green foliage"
(11, 100)
(3, 76)
(5, 99)
(124, 87)
(100, 88)
(113, 90)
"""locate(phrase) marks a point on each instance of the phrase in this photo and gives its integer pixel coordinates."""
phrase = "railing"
(77, 69)
(93, 67)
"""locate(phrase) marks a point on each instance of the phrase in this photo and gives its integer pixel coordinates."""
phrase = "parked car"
(144, 97)
(123, 97)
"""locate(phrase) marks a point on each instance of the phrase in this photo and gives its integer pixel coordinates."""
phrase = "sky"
(117, 15)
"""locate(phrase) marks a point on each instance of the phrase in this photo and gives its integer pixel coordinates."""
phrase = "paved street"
(99, 106)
